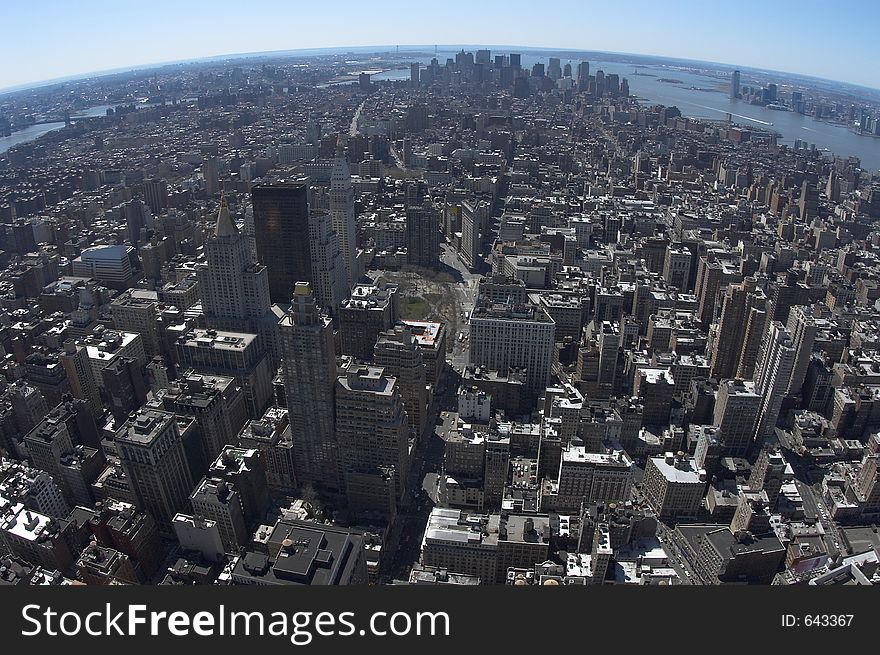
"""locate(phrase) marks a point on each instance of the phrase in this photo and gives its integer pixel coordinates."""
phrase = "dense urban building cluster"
(282, 323)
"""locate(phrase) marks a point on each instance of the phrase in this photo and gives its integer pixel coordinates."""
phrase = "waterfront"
(32, 132)
(29, 133)
(696, 95)
(709, 101)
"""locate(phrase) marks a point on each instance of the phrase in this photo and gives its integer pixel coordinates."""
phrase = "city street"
(406, 538)
(465, 290)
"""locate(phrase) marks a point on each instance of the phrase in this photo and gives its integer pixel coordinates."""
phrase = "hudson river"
(711, 104)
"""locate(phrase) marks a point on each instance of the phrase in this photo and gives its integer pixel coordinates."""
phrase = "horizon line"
(387, 49)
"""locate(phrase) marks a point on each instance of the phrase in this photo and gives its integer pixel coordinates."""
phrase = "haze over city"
(45, 40)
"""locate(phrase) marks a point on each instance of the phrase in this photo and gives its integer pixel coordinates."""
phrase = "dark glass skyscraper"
(281, 230)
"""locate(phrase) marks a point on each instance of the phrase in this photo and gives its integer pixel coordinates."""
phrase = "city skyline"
(490, 316)
(97, 38)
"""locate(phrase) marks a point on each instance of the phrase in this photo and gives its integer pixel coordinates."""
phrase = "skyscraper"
(518, 336)
(398, 352)
(156, 194)
(234, 287)
(736, 413)
(342, 213)
(734, 85)
(211, 175)
(152, 455)
(802, 327)
(371, 428)
(309, 382)
(583, 72)
(422, 236)
(281, 226)
(730, 329)
(776, 361)
(414, 73)
(329, 276)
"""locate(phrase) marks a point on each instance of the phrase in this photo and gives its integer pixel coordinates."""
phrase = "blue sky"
(43, 39)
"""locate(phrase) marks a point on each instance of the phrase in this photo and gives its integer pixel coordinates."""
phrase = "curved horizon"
(385, 49)
(49, 43)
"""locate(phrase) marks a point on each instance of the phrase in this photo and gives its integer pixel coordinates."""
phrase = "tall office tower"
(515, 61)
(230, 354)
(135, 220)
(506, 336)
(211, 175)
(83, 385)
(716, 269)
(736, 414)
(474, 213)
(235, 288)
(124, 386)
(152, 454)
(734, 85)
(415, 192)
(309, 369)
(803, 327)
(600, 82)
(677, 266)
(414, 69)
(156, 195)
(342, 213)
(329, 275)
(769, 473)
(216, 402)
(28, 404)
(756, 325)
(583, 75)
(271, 437)
(612, 84)
(866, 487)
(609, 344)
(281, 223)
(45, 445)
(371, 429)
(773, 369)
(832, 187)
(398, 352)
(730, 330)
(423, 236)
(808, 202)
(245, 468)
(554, 68)
(371, 309)
(137, 310)
(217, 500)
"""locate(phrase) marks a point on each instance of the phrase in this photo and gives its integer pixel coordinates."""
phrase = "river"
(32, 132)
(709, 103)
